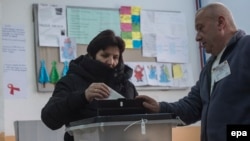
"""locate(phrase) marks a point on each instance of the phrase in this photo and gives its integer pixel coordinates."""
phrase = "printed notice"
(51, 23)
(14, 62)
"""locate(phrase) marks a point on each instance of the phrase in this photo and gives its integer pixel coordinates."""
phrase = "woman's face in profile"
(109, 56)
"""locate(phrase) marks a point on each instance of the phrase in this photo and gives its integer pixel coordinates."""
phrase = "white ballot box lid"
(125, 127)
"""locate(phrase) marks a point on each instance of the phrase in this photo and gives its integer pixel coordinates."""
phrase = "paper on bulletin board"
(139, 77)
(161, 74)
(149, 45)
(85, 23)
(68, 49)
(167, 31)
(51, 24)
(130, 26)
(151, 73)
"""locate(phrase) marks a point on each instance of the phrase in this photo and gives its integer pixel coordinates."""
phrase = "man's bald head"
(215, 10)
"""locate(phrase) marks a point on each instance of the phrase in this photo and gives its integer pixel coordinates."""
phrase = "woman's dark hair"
(103, 40)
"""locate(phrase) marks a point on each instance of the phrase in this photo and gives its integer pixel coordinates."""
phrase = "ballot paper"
(114, 95)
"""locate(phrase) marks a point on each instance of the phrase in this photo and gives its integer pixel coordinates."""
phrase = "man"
(221, 96)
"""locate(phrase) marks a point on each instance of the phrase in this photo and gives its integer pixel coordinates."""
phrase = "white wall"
(240, 10)
(1, 76)
(20, 12)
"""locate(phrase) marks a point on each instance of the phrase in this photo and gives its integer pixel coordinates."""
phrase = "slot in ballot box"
(137, 127)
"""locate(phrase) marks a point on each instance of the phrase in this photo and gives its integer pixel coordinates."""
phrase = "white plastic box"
(142, 127)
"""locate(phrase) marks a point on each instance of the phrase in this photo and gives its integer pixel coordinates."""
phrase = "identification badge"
(221, 71)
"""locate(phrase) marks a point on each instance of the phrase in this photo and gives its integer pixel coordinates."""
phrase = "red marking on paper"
(13, 89)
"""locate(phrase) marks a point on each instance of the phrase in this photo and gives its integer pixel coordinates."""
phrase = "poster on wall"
(164, 36)
(68, 49)
(51, 24)
(14, 62)
(130, 26)
(83, 24)
(172, 75)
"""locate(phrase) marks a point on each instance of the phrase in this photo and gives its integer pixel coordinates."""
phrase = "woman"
(89, 77)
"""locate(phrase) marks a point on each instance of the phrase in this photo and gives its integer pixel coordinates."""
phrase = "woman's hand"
(97, 91)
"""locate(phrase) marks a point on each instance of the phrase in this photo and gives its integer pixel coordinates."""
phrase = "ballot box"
(120, 106)
(137, 127)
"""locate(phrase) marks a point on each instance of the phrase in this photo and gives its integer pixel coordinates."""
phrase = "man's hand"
(149, 103)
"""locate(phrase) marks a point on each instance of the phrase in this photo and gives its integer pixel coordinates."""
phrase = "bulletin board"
(51, 54)
(84, 23)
